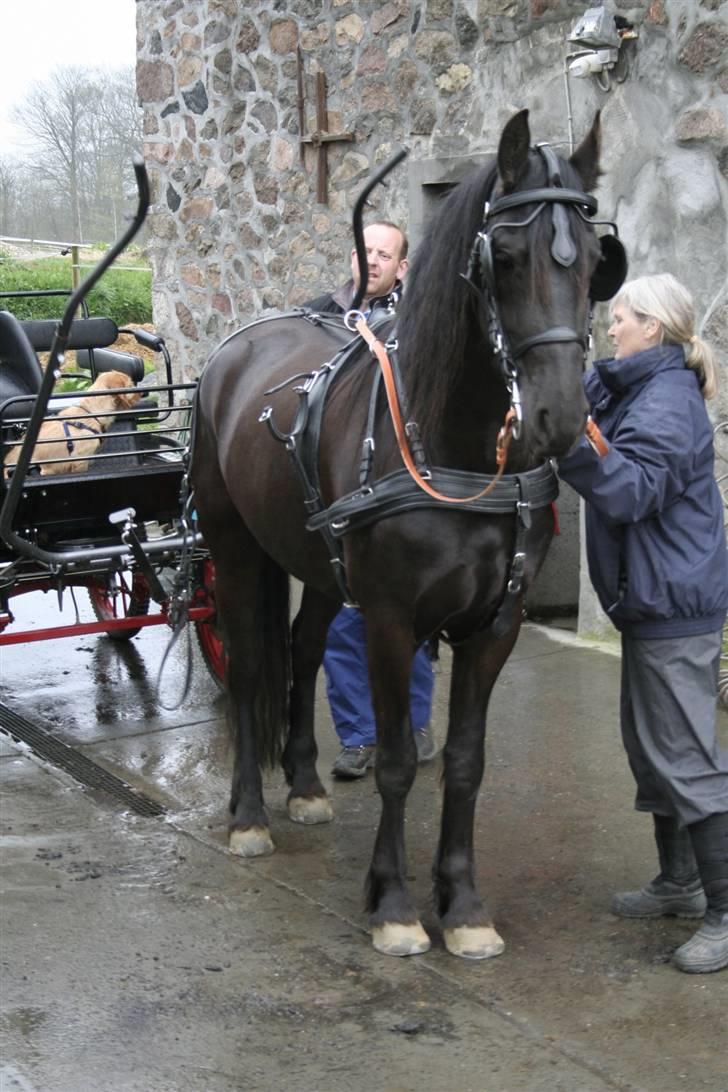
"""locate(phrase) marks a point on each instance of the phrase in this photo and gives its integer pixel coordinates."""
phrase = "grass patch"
(122, 295)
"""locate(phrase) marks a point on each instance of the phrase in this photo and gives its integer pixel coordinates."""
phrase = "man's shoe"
(707, 950)
(353, 762)
(661, 898)
(425, 743)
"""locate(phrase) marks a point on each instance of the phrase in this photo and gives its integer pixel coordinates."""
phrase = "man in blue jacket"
(657, 557)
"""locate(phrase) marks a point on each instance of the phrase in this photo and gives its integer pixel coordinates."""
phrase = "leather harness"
(402, 490)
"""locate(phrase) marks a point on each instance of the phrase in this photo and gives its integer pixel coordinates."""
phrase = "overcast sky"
(40, 35)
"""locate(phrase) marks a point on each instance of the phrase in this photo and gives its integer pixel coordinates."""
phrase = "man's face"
(383, 245)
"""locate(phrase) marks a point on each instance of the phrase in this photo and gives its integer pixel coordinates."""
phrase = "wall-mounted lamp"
(593, 62)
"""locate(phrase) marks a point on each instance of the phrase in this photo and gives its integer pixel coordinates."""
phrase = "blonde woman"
(657, 558)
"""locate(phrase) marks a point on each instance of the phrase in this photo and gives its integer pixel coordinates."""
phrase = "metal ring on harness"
(351, 318)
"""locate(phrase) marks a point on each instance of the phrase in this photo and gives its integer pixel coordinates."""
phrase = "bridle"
(481, 274)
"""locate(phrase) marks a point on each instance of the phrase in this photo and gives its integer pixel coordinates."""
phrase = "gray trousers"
(668, 716)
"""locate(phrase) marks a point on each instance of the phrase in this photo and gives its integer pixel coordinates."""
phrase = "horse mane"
(437, 319)
(433, 318)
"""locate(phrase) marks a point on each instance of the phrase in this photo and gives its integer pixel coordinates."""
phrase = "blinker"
(611, 269)
(563, 249)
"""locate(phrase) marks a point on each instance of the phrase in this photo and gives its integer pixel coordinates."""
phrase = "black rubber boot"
(677, 890)
(708, 949)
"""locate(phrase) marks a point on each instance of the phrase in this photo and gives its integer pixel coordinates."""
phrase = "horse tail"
(272, 690)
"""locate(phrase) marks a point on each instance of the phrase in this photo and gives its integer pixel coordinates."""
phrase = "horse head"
(535, 266)
(534, 259)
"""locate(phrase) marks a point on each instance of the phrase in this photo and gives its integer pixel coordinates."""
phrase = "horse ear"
(585, 159)
(513, 150)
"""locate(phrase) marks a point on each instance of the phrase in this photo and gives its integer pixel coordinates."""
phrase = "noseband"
(553, 196)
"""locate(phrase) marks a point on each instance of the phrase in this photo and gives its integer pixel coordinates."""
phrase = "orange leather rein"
(502, 443)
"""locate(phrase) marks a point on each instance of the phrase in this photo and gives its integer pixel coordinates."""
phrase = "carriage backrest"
(20, 369)
(85, 333)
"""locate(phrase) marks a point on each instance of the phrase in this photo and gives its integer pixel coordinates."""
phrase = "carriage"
(109, 511)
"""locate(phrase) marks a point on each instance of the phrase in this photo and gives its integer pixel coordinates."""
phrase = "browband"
(545, 193)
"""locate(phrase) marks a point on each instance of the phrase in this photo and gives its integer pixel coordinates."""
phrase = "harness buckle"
(517, 567)
(523, 509)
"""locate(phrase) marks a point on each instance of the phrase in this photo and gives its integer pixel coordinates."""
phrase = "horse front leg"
(307, 800)
(396, 928)
(468, 930)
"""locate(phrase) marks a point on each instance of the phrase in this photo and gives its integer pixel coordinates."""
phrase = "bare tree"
(9, 186)
(81, 127)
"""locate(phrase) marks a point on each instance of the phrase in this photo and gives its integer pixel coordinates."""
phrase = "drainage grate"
(47, 747)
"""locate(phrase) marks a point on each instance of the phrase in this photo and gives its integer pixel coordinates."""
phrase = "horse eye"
(503, 259)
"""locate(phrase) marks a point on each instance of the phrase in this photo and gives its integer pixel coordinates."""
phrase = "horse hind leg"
(251, 592)
(307, 801)
(251, 595)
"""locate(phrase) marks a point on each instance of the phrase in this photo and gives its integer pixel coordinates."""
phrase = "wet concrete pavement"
(137, 955)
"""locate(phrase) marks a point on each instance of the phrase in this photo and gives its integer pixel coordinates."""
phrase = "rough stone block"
(707, 45)
(703, 123)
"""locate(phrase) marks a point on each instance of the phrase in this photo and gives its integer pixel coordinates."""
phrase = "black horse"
(512, 338)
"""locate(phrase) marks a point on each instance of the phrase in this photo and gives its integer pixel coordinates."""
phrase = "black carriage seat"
(20, 369)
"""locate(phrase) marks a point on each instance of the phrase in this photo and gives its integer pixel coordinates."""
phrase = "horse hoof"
(310, 809)
(400, 940)
(253, 842)
(474, 941)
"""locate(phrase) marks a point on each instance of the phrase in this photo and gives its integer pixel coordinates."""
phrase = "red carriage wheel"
(208, 636)
(119, 595)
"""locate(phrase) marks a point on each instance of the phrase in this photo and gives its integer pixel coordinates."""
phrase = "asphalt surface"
(136, 954)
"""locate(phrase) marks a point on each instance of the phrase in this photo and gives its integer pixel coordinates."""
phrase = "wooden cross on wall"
(321, 135)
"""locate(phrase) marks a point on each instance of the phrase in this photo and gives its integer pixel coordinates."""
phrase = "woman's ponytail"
(699, 357)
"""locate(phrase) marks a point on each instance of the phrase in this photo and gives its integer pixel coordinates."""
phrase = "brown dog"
(74, 433)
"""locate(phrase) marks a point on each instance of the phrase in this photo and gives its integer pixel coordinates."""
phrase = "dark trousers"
(668, 718)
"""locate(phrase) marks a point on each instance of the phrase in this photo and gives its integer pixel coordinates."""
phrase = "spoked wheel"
(119, 595)
(208, 635)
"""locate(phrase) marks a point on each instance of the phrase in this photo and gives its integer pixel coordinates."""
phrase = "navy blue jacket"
(655, 539)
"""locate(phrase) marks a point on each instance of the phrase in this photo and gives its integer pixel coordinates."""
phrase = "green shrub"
(122, 295)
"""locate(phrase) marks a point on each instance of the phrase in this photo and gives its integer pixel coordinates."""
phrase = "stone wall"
(236, 230)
